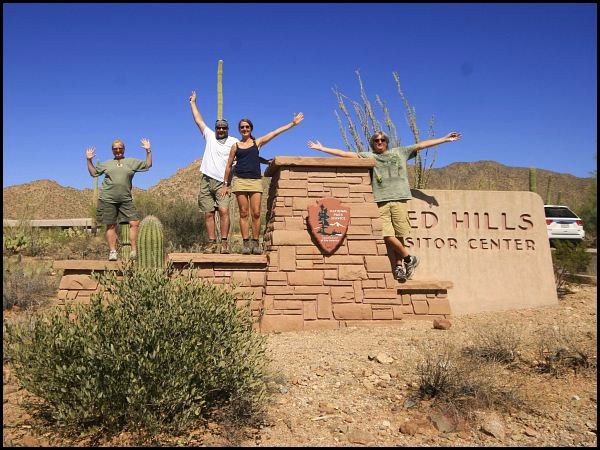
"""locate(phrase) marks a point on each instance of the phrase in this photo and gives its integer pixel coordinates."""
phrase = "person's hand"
(315, 145)
(145, 144)
(90, 152)
(297, 118)
(223, 191)
(454, 136)
(193, 96)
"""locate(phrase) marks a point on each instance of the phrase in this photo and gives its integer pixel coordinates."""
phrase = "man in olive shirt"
(115, 199)
(391, 191)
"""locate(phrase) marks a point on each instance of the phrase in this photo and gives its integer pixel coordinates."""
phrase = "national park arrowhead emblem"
(328, 222)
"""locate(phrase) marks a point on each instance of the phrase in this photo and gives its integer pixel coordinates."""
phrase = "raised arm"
(454, 136)
(223, 191)
(267, 137)
(332, 151)
(197, 116)
(146, 145)
(89, 154)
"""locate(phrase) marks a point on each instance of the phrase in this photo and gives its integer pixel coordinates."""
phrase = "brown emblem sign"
(328, 222)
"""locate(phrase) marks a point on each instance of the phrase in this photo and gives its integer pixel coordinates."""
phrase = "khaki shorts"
(113, 213)
(209, 198)
(394, 216)
(246, 185)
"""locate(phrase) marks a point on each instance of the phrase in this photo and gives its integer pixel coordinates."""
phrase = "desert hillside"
(46, 199)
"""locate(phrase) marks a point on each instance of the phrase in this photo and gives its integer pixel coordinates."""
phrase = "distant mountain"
(46, 199)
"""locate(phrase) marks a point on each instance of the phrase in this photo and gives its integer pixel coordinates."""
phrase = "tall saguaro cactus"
(94, 205)
(124, 240)
(532, 179)
(150, 243)
(220, 90)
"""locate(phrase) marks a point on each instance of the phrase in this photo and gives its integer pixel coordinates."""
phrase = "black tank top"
(247, 163)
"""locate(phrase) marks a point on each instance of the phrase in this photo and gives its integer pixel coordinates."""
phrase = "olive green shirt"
(116, 187)
(389, 177)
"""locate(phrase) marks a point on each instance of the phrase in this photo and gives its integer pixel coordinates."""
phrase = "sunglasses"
(380, 140)
(222, 128)
(118, 148)
(244, 127)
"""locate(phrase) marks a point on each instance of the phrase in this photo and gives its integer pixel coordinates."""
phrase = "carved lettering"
(526, 218)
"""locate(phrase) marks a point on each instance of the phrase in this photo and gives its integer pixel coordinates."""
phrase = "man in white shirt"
(214, 160)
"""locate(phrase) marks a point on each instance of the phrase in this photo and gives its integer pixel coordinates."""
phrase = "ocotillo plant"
(532, 179)
(150, 243)
(124, 240)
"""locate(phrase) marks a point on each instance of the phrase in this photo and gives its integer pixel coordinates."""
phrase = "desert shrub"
(25, 285)
(446, 375)
(155, 350)
(568, 258)
(182, 220)
(499, 344)
(563, 350)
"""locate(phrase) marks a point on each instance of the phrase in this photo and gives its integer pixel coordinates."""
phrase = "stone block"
(397, 310)
(352, 311)
(360, 247)
(383, 314)
(287, 258)
(310, 310)
(342, 294)
(269, 323)
(378, 264)
(324, 306)
(321, 325)
(306, 278)
(352, 272)
(291, 237)
(381, 293)
(77, 282)
(420, 306)
(439, 306)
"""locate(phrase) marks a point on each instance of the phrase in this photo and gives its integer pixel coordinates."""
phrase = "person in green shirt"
(115, 202)
(391, 190)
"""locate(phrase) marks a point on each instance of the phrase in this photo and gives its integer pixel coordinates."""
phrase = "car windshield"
(557, 211)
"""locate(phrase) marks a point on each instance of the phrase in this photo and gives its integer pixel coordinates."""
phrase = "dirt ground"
(356, 386)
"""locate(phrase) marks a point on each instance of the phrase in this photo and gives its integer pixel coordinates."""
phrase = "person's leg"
(207, 202)
(255, 198)
(402, 228)
(106, 214)
(242, 200)
(111, 236)
(209, 220)
(133, 231)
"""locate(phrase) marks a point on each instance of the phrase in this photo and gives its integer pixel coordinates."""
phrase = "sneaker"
(246, 250)
(113, 255)
(132, 254)
(411, 266)
(225, 247)
(400, 274)
(256, 250)
(211, 247)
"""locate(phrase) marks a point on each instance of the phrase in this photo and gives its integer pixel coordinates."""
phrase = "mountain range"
(46, 199)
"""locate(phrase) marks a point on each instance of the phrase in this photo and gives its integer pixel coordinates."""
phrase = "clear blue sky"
(519, 81)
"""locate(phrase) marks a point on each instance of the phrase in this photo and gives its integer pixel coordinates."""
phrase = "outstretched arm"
(197, 116)
(267, 137)
(146, 145)
(332, 151)
(89, 154)
(454, 136)
(223, 191)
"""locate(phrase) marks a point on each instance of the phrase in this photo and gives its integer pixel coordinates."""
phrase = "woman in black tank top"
(247, 180)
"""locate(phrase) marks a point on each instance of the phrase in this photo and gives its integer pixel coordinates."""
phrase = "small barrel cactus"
(150, 245)
(124, 240)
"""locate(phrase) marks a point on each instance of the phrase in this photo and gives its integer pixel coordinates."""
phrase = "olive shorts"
(394, 217)
(209, 198)
(240, 185)
(113, 213)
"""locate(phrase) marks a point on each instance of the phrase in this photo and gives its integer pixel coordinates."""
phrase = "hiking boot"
(225, 247)
(256, 250)
(132, 254)
(211, 247)
(411, 266)
(400, 274)
(246, 250)
(113, 255)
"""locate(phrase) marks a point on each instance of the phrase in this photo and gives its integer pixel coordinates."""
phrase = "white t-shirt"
(215, 155)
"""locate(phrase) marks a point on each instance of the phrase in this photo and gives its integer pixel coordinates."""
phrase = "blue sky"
(519, 81)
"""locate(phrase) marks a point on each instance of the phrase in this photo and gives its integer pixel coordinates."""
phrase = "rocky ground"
(357, 386)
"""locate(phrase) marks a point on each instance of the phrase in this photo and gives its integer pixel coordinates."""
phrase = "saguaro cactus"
(548, 190)
(150, 243)
(532, 179)
(220, 90)
(124, 240)
(94, 205)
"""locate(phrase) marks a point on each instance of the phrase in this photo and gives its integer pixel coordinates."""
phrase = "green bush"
(496, 344)
(154, 351)
(568, 258)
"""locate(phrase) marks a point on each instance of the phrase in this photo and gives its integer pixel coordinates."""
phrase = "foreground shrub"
(499, 344)
(563, 350)
(462, 382)
(25, 285)
(164, 350)
(568, 258)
